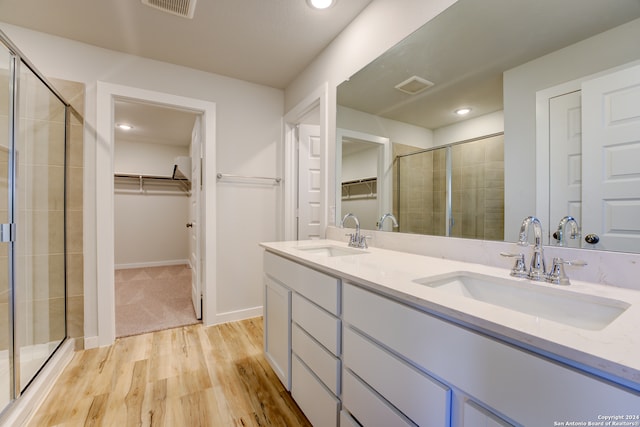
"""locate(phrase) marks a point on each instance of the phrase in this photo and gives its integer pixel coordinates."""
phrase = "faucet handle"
(519, 268)
(363, 242)
(557, 274)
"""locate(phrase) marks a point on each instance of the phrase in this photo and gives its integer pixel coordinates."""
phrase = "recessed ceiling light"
(463, 111)
(321, 4)
(124, 126)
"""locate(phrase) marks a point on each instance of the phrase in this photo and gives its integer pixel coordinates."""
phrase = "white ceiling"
(268, 42)
(465, 51)
(153, 124)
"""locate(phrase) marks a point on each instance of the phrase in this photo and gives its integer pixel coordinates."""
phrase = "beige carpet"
(152, 299)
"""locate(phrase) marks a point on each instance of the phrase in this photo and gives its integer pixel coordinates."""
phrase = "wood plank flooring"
(188, 376)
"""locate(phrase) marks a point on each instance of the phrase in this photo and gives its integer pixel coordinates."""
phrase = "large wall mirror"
(552, 90)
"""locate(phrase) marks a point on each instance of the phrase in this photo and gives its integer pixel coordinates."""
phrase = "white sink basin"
(581, 311)
(331, 251)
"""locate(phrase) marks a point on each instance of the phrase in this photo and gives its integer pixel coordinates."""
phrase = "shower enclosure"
(455, 190)
(33, 133)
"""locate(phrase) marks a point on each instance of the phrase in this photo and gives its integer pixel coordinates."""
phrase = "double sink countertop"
(607, 348)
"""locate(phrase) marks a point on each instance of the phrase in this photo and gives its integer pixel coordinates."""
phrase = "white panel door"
(309, 183)
(611, 155)
(194, 214)
(565, 159)
(277, 329)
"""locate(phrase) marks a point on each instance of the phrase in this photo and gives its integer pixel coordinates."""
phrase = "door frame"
(316, 99)
(107, 93)
(384, 169)
(543, 139)
(196, 216)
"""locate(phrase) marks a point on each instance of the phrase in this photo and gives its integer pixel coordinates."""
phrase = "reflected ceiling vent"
(184, 8)
(414, 85)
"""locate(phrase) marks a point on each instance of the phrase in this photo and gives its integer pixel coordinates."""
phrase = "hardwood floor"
(188, 376)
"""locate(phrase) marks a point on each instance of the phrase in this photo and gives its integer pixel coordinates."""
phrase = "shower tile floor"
(153, 298)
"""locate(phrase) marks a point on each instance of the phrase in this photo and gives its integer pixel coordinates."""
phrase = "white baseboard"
(234, 316)
(91, 342)
(152, 264)
(25, 407)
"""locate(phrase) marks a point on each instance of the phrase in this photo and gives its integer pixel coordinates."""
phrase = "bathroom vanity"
(380, 337)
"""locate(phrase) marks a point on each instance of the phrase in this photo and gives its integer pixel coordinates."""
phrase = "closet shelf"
(167, 183)
(365, 188)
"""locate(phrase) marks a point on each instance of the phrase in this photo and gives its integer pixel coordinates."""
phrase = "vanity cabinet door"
(277, 329)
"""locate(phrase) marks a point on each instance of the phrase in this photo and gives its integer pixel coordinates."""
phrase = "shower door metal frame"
(17, 60)
(449, 220)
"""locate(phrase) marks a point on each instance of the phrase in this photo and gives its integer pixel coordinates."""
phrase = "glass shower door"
(5, 297)
(40, 324)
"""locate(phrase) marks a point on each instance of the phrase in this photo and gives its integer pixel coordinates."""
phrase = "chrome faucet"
(385, 216)
(355, 239)
(537, 269)
(560, 234)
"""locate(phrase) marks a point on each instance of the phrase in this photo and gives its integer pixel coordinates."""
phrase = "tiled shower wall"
(477, 196)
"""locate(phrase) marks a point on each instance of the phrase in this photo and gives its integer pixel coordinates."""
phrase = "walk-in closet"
(153, 216)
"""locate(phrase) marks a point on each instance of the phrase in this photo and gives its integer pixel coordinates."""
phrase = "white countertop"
(614, 350)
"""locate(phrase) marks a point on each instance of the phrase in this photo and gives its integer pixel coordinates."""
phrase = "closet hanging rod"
(226, 175)
(141, 176)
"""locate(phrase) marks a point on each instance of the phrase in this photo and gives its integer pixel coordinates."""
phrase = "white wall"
(397, 132)
(149, 228)
(248, 131)
(360, 164)
(145, 158)
(476, 127)
(598, 53)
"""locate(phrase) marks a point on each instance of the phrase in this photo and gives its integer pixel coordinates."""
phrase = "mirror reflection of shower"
(455, 190)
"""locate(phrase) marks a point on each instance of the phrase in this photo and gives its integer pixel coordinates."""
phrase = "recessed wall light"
(124, 126)
(321, 4)
(463, 111)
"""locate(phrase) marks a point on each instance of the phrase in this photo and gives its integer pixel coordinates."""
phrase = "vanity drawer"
(366, 406)
(324, 364)
(346, 420)
(474, 415)
(318, 404)
(421, 398)
(320, 288)
(322, 326)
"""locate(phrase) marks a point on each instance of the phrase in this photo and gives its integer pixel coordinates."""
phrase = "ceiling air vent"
(184, 8)
(414, 85)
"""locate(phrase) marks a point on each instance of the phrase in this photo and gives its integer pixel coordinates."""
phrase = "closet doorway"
(157, 249)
